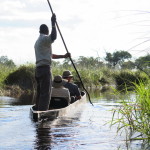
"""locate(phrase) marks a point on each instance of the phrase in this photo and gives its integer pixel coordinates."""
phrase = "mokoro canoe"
(56, 112)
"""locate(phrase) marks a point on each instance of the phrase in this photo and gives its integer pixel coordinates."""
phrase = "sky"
(90, 27)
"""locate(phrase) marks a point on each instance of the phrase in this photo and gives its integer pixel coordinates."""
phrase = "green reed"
(93, 77)
(133, 115)
(4, 72)
(23, 76)
(125, 79)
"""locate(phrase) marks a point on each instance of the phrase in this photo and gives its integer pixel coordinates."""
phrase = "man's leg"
(45, 91)
(37, 93)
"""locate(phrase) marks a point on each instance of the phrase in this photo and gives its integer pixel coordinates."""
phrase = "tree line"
(119, 59)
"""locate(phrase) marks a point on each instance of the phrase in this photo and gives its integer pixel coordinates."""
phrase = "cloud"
(88, 26)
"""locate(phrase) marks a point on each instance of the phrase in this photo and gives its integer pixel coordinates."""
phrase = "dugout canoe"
(57, 109)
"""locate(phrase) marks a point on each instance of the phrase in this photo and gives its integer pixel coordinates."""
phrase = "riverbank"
(18, 80)
(14, 91)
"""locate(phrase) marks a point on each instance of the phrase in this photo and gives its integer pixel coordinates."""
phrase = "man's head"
(58, 81)
(67, 75)
(44, 29)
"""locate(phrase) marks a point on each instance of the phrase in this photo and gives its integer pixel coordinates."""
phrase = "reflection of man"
(73, 88)
(43, 53)
(43, 136)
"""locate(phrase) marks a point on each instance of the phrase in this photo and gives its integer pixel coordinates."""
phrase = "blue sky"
(89, 27)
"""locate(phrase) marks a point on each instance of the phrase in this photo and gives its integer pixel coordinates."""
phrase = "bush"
(4, 72)
(127, 79)
(23, 77)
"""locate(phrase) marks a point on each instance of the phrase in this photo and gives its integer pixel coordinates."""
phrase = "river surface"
(87, 129)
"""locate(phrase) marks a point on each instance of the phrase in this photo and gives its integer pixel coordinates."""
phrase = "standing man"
(73, 88)
(43, 75)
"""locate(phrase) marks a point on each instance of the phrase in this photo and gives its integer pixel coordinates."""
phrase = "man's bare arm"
(54, 56)
(53, 32)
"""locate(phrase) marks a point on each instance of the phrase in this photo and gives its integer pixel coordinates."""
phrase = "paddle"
(68, 52)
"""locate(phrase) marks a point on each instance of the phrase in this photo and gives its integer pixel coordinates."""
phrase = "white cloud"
(88, 26)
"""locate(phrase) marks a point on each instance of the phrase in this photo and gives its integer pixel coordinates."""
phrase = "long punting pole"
(68, 52)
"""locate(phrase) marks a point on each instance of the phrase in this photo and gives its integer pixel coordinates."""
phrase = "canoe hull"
(53, 114)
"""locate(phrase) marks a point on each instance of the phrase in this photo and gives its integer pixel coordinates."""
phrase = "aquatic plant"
(133, 115)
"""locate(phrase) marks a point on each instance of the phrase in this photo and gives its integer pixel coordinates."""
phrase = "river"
(88, 129)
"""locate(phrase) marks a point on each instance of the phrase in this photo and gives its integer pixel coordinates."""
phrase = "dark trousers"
(44, 82)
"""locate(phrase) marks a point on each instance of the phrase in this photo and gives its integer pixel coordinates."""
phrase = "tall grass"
(4, 72)
(22, 76)
(94, 77)
(90, 77)
(127, 79)
(133, 115)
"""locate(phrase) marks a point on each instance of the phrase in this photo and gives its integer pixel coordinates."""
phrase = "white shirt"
(43, 50)
(61, 92)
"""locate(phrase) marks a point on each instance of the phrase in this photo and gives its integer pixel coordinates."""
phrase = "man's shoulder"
(71, 85)
(59, 90)
(64, 89)
(74, 84)
(43, 36)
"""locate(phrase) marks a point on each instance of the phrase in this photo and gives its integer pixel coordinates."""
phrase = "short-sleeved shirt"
(73, 89)
(61, 92)
(43, 50)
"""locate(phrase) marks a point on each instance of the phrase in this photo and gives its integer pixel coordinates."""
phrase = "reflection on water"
(88, 129)
(43, 138)
(22, 100)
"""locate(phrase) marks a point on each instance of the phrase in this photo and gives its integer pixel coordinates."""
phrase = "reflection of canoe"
(57, 109)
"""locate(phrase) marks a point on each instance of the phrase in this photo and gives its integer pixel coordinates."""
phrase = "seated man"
(73, 88)
(58, 89)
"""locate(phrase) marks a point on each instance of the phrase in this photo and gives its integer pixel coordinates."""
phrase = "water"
(88, 129)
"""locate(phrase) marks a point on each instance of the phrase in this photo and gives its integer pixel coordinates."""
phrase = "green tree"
(143, 62)
(67, 63)
(7, 62)
(55, 63)
(117, 57)
(128, 65)
(109, 59)
(89, 62)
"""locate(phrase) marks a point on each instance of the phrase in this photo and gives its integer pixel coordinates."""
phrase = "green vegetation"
(4, 72)
(133, 115)
(117, 57)
(94, 72)
(126, 79)
(6, 67)
(22, 76)
(6, 62)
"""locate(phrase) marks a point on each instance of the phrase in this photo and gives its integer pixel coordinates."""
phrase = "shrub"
(127, 79)
(23, 77)
(4, 72)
